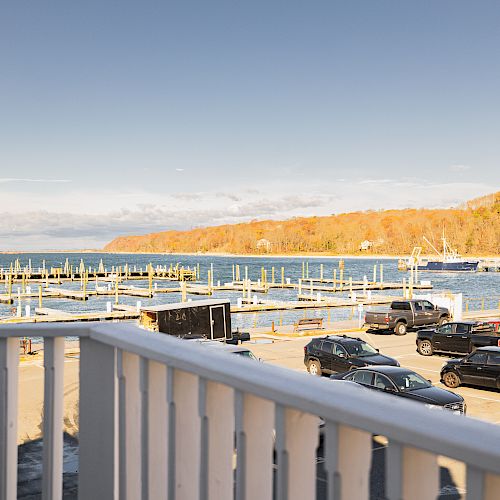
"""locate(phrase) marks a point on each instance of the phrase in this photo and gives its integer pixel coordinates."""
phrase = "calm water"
(479, 285)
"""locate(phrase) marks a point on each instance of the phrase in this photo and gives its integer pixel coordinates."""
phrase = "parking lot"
(289, 352)
(481, 403)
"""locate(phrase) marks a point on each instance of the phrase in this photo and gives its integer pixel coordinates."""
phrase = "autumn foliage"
(474, 229)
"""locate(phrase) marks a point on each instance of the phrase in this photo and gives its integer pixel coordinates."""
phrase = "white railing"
(159, 416)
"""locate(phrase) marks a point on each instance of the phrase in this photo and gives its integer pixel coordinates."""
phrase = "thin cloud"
(459, 168)
(4, 180)
(179, 170)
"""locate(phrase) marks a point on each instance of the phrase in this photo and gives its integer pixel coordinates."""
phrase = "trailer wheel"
(400, 328)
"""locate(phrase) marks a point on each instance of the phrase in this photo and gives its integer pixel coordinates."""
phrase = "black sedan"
(404, 383)
(481, 368)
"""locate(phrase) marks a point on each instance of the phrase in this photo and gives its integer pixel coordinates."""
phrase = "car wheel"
(424, 347)
(443, 320)
(400, 328)
(314, 368)
(451, 379)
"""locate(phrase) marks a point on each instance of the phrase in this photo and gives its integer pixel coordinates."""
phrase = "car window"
(418, 306)
(360, 349)
(401, 306)
(478, 358)
(445, 329)
(428, 306)
(382, 382)
(338, 350)
(409, 381)
(327, 346)
(362, 377)
(460, 328)
(245, 354)
(494, 358)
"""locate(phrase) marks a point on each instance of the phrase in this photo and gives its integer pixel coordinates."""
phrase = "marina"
(104, 287)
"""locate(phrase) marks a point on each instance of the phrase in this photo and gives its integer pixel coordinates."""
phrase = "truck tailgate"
(376, 317)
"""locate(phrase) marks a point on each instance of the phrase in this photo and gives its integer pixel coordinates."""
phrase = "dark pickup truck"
(404, 314)
(457, 338)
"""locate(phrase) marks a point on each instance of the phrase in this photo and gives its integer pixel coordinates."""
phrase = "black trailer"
(209, 319)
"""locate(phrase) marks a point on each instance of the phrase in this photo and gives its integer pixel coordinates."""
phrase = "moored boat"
(449, 260)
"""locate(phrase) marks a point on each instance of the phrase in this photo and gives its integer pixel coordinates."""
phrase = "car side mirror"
(378, 350)
(389, 389)
(341, 355)
(429, 380)
(436, 308)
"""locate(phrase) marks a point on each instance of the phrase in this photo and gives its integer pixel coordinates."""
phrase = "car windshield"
(409, 381)
(245, 354)
(360, 349)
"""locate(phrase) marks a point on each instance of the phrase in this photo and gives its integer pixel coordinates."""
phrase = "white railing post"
(157, 431)
(331, 455)
(254, 443)
(98, 436)
(9, 365)
(220, 413)
(301, 441)
(187, 435)
(53, 405)
(354, 455)
(130, 425)
(492, 486)
(418, 464)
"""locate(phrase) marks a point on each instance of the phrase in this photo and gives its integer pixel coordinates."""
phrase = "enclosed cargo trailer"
(209, 319)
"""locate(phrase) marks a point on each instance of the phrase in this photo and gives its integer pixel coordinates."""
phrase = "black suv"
(340, 353)
(481, 367)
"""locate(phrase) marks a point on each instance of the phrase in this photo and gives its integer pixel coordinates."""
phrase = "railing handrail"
(440, 432)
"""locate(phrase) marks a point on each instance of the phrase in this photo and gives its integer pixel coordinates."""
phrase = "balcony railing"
(162, 418)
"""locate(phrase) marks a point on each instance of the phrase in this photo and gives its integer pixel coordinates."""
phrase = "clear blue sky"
(161, 115)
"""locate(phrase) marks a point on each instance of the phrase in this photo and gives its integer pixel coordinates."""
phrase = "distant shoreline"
(237, 255)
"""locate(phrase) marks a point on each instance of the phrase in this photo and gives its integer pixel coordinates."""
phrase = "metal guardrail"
(159, 416)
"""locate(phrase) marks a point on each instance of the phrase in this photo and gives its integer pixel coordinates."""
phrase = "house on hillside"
(264, 244)
(365, 245)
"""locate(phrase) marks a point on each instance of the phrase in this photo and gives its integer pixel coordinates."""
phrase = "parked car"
(457, 338)
(406, 384)
(239, 350)
(404, 314)
(339, 353)
(481, 368)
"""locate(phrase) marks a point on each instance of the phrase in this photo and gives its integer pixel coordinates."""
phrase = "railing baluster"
(299, 450)
(331, 449)
(132, 432)
(171, 415)
(157, 431)
(220, 413)
(492, 486)
(9, 365)
(202, 408)
(53, 405)
(355, 453)
(416, 465)
(255, 456)
(475, 483)
(98, 434)
(281, 454)
(187, 435)
(394, 471)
